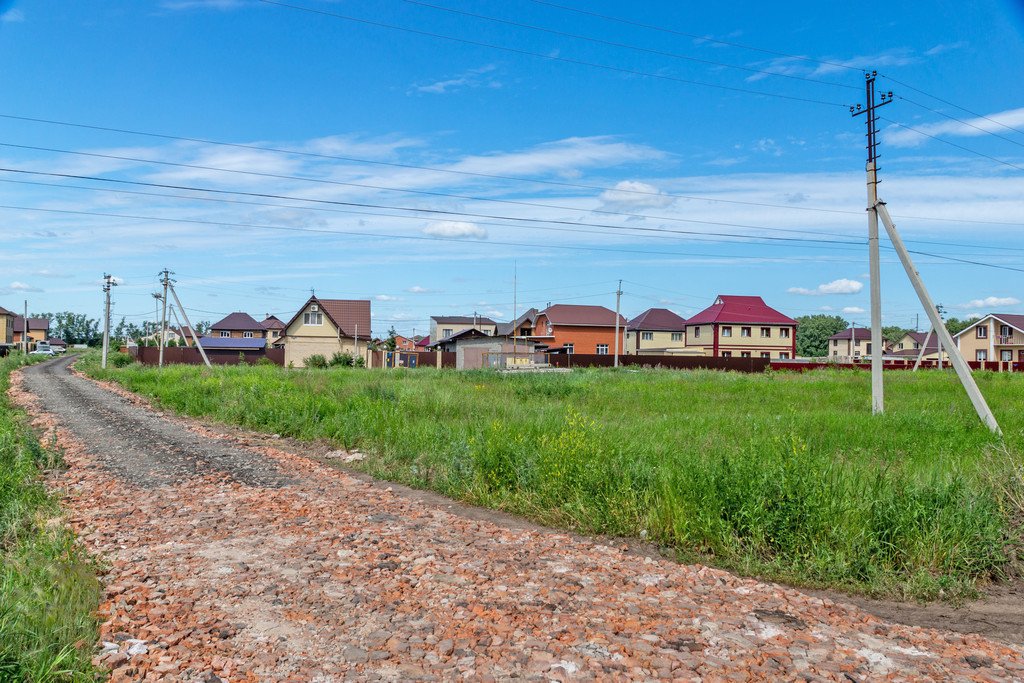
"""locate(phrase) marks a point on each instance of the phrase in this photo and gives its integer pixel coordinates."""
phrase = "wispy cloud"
(385, 297)
(416, 289)
(841, 286)
(12, 16)
(631, 195)
(201, 4)
(998, 122)
(853, 309)
(988, 303)
(471, 78)
(51, 274)
(945, 47)
(455, 229)
(19, 287)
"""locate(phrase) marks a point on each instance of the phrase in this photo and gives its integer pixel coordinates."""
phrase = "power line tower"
(106, 318)
(877, 211)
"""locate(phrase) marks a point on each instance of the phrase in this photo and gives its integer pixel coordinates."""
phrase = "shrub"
(265, 361)
(120, 360)
(315, 361)
(341, 359)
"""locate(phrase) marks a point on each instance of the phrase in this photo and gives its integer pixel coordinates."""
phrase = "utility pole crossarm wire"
(106, 318)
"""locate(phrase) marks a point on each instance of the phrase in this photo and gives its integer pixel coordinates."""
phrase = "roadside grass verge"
(780, 475)
(48, 586)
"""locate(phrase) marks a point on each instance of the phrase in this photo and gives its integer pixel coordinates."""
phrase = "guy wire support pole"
(618, 296)
(191, 329)
(877, 391)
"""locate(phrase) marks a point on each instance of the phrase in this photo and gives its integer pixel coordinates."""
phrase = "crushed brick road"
(232, 561)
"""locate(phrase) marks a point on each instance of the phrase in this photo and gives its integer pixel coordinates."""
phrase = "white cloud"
(416, 289)
(51, 274)
(455, 229)
(988, 303)
(945, 47)
(841, 286)
(20, 287)
(471, 78)
(632, 195)
(385, 297)
(12, 15)
(998, 122)
(853, 309)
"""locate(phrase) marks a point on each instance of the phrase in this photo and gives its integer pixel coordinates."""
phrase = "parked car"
(42, 352)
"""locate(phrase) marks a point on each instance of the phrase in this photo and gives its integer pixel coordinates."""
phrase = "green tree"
(813, 333)
(893, 333)
(955, 325)
(73, 328)
(390, 343)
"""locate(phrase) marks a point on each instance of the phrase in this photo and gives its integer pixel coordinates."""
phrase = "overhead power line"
(629, 47)
(952, 144)
(698, 37)
(554, 183)
(555, 58)
(962, 122)
(951, 104)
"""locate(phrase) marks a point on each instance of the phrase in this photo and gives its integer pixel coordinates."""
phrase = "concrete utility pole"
(877, 211)
(877, 391)
(106, 319)
(24, 330)
(618, 298)
(191, 329)
(163, 318)
(927, 338)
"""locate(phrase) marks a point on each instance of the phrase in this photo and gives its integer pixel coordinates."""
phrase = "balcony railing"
(1009, 339)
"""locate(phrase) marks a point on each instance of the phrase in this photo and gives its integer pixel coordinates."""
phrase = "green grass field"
(48, 586)
(781, 475)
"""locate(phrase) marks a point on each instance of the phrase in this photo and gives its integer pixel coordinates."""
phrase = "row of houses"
(19, 332)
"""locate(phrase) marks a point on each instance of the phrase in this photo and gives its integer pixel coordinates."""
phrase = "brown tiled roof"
(33, 324)
(740, 309)
(4, 311)
(657, 319)
(346, 314)
(238, 321)
(853, 333)
(574, 314)
(272, 323)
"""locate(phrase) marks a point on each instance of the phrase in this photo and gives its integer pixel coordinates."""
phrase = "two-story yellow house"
(656, 332)
(38, 331)
(6, 330)
(996, 337)
(909, 347)
(326, 327)
(851, 343)
(443, 326)
(741, 327)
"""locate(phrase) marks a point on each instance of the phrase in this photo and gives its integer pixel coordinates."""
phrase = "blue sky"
(370, 155)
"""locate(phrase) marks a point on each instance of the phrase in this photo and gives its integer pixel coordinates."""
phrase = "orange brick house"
(741, 327)
(579, 329)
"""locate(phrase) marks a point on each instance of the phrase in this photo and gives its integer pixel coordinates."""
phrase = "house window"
(745, 354)
(784, 356)
(1006, 355)
(916, 345)
(525, 331)
(835, 342)
(726, 331)
(784, 332)
(568, 348)
(677, 336)
(602, 349)
(835, 353)
(646, 336)
(744, 331)
(766, 331)
(726, 354)
(900, 346)
(766, 354)
(447, 332)
(312, 318)
(981, 355)
(225, 333)
(856, 342)
(696, 333)
(247, 335)
(273, 333)
(981, 331)
(1004, 330)
(869, 347)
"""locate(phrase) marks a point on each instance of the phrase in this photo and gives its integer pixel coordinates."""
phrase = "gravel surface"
(231, 560)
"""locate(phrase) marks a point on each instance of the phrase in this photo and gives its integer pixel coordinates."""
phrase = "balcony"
(1016, 339)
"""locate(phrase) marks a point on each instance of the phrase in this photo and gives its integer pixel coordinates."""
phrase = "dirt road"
(232, 560)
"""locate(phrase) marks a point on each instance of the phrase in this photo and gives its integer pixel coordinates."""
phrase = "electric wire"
(952, 144)
(554, 183)
(626, 46)
(698, 37)
(632, 72)
(962, 122)
(951, 104)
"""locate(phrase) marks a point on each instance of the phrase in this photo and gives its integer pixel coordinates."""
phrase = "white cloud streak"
(841, 286)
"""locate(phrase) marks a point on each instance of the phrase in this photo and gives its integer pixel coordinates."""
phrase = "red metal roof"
(657, 319)
(573, 314)
(423, 343)
(237, 322)
(740, 309)
(854, 333)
